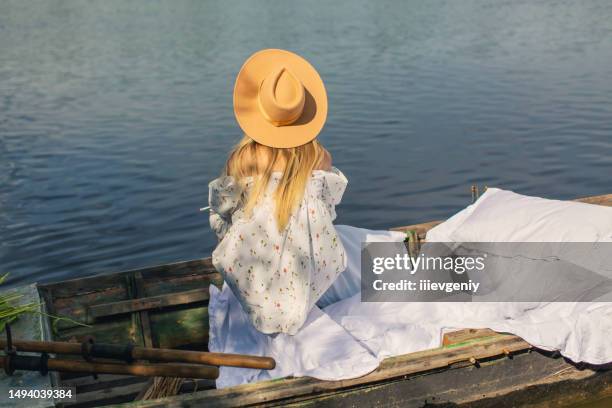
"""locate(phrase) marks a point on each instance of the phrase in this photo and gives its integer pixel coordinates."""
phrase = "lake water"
(115, 115)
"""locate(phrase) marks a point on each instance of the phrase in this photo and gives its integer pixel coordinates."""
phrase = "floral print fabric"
(278, 276)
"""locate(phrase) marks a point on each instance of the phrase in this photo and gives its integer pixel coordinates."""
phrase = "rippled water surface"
(114, 115)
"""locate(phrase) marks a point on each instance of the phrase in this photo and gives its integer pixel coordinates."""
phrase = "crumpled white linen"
(321, 348)
(348, 338)
(580, 331)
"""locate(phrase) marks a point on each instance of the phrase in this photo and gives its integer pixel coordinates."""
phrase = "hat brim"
(246, 107)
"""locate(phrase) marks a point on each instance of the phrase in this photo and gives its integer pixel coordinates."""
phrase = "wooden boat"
(166, 306)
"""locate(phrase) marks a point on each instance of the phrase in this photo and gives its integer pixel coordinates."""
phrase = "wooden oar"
(33, 363)
(128, 353)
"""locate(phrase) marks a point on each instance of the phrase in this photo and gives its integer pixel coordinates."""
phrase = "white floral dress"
(278, 276)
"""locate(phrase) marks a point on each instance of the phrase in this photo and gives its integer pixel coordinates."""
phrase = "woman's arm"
(224, 196)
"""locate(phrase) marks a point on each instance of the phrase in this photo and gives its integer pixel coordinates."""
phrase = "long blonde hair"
(299, 163)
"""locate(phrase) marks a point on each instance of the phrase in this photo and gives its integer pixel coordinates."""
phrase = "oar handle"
(123, 352)
(33, 363)
(196, 357)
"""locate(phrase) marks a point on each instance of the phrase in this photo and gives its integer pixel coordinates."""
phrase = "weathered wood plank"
(106, 382)
(81, 286)
(118, 331)
(528, 380)
(396, 367)
(88, 380)
(461, 336)
(194, 267)
(605, 200)
(148, 303)
(421, 229)
(144, 315)
(194, 385)
(70, 287)
(565, 387)
(174, 328)
(155, 287)
(77, 308)
(107, 396)
(180, 327)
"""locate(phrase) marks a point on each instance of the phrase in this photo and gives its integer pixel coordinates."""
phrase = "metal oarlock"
(91, 349)
(10, 352)
(475, 193)
(44, 364)
(13, 361)
(412, 243)
(88, 341)
(86, 348)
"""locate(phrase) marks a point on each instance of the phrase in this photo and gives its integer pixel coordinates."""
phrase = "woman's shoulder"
(325, 163)
(333, 175)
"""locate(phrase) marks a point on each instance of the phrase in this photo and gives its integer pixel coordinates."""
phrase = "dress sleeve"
(224, 197)
(334, 184)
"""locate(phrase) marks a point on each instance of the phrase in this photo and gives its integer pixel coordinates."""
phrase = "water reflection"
(114, 115)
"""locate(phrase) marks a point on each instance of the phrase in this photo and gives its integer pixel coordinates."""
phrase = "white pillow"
(443, 232)
(505, 216)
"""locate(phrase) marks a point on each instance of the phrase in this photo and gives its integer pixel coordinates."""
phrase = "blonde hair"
(299, 162)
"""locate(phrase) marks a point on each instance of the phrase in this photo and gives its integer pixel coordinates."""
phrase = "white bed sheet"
(348, 339)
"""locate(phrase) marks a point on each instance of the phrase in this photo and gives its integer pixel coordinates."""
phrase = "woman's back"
(273, 208)
(278, 274)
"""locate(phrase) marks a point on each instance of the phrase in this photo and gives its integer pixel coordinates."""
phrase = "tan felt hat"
(279, 99)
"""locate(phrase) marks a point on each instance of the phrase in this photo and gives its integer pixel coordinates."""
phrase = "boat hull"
(167, 306)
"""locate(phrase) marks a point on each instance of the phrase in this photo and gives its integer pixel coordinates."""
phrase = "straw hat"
(279, 99)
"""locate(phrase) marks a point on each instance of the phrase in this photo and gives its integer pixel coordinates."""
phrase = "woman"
(273, 208)
(281, 257)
